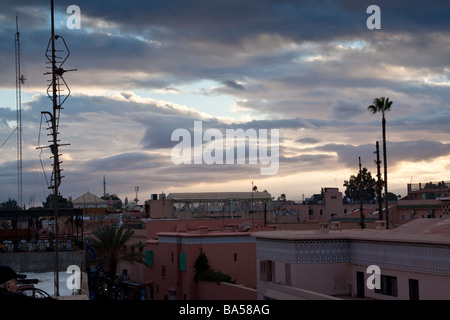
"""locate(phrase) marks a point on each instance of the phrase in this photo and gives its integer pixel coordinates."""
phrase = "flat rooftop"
(432, 231)
(218, 196)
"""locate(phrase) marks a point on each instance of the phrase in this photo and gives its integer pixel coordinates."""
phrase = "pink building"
(423, 201)
(173, 246)
(413, 261)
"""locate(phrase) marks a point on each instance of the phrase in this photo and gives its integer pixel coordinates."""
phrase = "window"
(287, 269)
(266, 269)
(360, 284)
(413, 289)
(149, 258)
(163, 271)
(182, 261)
(388, 286)
(235, 257)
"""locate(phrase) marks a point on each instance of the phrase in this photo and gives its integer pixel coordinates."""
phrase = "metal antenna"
(56, 92)
(136, 189)
(19, 81)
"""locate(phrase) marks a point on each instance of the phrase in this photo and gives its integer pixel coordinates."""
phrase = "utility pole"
(361, 213)
(379, 184)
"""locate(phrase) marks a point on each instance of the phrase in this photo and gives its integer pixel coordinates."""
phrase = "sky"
(305, 69)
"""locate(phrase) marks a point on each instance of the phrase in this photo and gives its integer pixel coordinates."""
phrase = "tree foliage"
(11, 204)
(203, 271)
(110, 243)
(381, 105)
(62, 202)
(368, 185)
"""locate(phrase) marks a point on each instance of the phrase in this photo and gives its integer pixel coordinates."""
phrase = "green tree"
(62, 202)
(368, 185)
(11, 204)
(203, 271)
(111, 244)
(383, 105)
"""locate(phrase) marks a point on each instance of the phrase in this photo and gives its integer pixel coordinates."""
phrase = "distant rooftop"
(219, 196)
(88, 198)
(428, 185)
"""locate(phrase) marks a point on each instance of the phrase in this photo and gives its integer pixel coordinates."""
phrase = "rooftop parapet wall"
(428, 186)
(429, 258)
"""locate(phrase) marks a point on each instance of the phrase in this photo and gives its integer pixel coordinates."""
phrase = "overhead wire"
(7, 58)
(8, 137)
(1, 70)
(41, 184)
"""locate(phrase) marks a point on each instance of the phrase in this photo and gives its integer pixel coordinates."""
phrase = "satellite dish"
(22, 79)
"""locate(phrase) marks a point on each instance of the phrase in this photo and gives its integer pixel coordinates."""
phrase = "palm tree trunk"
(385, 173)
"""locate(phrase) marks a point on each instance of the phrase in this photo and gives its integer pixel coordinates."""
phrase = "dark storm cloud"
(186, 41)
(414, 151)
(233, 84)
(307, 140)
(232, 21)
(304, 65)
(159, 129)
(438, 119)
(346, 109)
(122, 162)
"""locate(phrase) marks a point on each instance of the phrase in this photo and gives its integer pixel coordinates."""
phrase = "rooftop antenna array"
(136, 189)
(58, 92)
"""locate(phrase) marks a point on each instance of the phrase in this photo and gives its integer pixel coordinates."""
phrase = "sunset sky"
(306, 68)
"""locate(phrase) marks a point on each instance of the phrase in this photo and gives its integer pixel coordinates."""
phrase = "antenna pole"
(55, 92)
(19, 116)
(54, 149)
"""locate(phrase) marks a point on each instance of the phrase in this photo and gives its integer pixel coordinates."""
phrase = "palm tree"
(110, 243)
(383, 105)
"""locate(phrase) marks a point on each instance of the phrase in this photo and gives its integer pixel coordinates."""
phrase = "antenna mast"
(56, 93)
(136, 189)
(19, 81)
